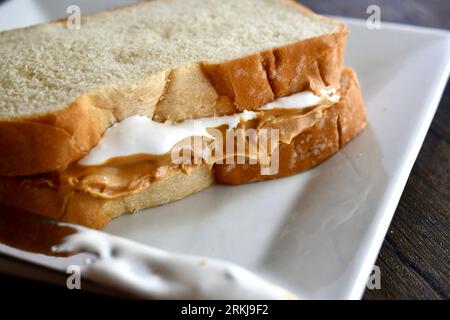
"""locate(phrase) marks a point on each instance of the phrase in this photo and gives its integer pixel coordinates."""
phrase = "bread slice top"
(46, 67)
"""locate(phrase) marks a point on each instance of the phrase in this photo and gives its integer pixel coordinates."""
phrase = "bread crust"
(84, 209)
(50, 142)
(337, 126)
(305, 65)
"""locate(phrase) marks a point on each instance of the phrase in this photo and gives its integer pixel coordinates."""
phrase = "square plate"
(317, 234)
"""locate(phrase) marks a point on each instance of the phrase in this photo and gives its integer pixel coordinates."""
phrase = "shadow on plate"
(326, 227)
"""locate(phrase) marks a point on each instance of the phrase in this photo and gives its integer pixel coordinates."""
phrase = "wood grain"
(415, 258)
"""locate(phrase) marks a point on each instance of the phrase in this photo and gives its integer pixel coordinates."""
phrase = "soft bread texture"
(337, 126)
(84, 209)
(167, 59)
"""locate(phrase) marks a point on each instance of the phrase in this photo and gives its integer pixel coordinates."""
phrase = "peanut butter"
(122, 176)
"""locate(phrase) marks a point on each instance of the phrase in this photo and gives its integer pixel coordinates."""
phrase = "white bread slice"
(168, 59)
(337, 126)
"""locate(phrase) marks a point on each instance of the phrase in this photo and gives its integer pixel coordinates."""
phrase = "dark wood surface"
(415, 258)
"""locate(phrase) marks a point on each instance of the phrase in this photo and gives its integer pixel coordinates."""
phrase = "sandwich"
(93, 121)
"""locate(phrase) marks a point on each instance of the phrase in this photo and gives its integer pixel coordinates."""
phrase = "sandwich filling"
(139, 151)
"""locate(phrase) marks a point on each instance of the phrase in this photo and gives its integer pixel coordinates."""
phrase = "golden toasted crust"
(264, 76)
(338, 125)
(50, 142)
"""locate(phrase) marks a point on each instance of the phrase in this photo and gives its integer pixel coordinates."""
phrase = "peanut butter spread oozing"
(122, 176)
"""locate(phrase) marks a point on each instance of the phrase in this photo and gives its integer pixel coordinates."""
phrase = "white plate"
(316, 234)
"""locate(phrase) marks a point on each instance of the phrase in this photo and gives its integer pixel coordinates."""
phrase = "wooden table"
(415, 258)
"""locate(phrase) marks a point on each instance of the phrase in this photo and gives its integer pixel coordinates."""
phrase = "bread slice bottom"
(338, 125)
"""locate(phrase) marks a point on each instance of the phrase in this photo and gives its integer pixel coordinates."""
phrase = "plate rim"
(383, 218)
